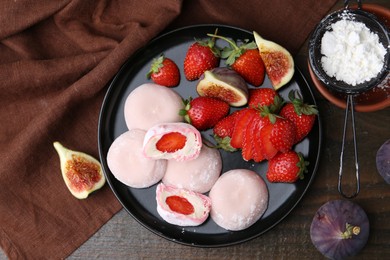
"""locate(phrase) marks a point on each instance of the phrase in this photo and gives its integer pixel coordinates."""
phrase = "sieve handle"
(350, 106)
(346, 4)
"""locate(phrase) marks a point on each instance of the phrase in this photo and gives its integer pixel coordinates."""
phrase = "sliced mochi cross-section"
(182, 207)
(178, 141)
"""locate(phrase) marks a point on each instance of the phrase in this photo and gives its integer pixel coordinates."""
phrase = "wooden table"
(124, 238)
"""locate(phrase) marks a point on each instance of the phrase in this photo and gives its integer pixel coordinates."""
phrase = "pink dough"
(151, 104)
(239, 198)
(128, 164)
(198, 175)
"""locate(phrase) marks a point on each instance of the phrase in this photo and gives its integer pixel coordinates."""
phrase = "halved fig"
(278, 62)
(182, 207)
(340, 229)
(225, 84)
(81, 172)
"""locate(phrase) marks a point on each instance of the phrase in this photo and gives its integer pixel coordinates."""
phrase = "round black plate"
(141, 203)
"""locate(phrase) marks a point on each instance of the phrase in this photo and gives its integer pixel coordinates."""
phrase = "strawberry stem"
(231, 42)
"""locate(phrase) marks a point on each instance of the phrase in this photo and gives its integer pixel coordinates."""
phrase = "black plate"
(141, 203)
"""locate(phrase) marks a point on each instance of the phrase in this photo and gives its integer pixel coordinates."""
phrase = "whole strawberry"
(204, 112)
(164, 71)
(245, 60)
(286, 167)
(259, 97)
(301, 114)
(201, 56)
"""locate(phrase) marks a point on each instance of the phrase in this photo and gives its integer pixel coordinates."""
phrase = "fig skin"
(225, 84)
(383, 161)
(329, 233)
(87, 181)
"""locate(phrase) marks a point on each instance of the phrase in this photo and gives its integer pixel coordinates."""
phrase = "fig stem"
(350, 231)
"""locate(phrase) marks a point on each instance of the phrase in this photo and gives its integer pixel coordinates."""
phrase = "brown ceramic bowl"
(374, 99)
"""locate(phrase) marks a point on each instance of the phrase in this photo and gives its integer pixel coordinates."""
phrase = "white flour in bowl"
(352, 53)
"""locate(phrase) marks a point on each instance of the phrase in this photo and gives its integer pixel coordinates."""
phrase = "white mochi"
(239, 198)
(127, 163)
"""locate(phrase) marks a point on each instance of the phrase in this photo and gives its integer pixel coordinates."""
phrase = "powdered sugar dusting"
(352, 53)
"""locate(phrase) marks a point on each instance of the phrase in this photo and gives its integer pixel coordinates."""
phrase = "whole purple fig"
(383, 161)
(339, 229)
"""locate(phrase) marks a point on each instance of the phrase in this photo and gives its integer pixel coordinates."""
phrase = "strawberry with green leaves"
(245, 59)
(164, 71)
(201, 56)
(301, 114)
(286, 167)
(223, 131)
(204, 112)
(224, 127)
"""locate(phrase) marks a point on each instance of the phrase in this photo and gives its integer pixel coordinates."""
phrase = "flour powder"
(352, 53)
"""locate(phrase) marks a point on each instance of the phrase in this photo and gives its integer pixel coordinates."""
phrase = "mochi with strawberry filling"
(127, 163)
(239, 198)
(198, 175)
(151, 104)
(182, 207)
(178, 141)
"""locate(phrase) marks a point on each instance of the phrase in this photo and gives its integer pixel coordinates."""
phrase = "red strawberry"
(171, 142)
(164, 72)
(265, 97)
(223, 131)
(283, 134)
(240, 126)
(224, 127)
(201, 56)
(301, 114)
(245, 60)
(277, 135)
(204, 112)
(268, 150)
(258, 148)
(248, 151)
(250, 66)
(286, 167)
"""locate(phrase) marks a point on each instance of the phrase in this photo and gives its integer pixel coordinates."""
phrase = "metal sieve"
(375, 26)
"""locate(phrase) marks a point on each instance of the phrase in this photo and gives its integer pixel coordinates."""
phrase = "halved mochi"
(151, 104)
(182, 207)
(198, 175)
(239, 198)
(127, 163)
(179, 141)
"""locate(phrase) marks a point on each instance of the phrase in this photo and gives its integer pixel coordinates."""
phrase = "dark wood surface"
(124, 238)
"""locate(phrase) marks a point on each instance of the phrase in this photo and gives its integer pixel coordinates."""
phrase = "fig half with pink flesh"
(279, 64)
(81, 172)
(225, 84)
(340, 229)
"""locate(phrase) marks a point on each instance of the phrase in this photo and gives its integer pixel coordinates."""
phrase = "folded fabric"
(56, 60)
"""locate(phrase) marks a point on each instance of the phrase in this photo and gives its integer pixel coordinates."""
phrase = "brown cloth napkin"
(56, 60)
